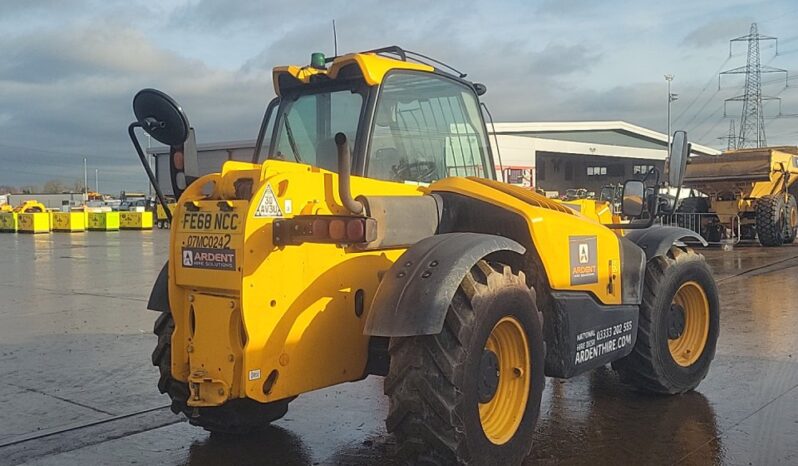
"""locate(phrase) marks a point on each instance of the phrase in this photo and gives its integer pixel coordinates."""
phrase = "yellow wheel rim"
(502, 414)
(688, 347)
(793, 218)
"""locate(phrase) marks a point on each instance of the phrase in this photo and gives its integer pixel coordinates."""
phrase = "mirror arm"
(655, 208)
(132, 133)
(631, 226)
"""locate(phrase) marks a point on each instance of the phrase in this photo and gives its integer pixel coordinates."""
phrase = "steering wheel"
(423, 171)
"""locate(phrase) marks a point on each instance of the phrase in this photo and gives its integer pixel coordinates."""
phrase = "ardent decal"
(584, 269)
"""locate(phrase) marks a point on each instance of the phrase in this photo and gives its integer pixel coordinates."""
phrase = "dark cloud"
(69, 92)
(103, 50)
(68, 70)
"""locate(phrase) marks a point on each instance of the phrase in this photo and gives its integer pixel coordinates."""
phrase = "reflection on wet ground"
(74, 355)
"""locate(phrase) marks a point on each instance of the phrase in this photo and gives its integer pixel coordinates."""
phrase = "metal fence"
(707, 225)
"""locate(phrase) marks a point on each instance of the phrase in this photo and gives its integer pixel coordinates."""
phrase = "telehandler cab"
(369, 236)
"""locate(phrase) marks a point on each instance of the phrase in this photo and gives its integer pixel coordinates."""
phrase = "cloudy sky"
(69, 69)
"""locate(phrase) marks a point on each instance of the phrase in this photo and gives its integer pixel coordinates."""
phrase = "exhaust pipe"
(344, 176)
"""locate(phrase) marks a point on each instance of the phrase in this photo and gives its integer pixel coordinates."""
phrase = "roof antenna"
(335, 40)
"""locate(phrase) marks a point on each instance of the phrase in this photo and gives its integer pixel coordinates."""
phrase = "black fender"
(159, 296)
(657, 240)
(414, 294)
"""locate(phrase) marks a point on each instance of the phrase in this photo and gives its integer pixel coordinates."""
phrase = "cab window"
(308, 124)
(426, 127)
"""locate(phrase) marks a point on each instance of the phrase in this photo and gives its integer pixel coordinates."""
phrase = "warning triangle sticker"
(268, 206)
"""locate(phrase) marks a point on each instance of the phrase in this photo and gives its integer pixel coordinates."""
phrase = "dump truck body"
(738, 184)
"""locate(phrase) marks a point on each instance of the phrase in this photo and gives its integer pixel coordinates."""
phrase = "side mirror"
(677, 159)
(161, 117)
(633, 203)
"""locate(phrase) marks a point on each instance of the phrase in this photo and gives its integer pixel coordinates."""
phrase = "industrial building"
(50, 200)
(553, 156)
(556, 156)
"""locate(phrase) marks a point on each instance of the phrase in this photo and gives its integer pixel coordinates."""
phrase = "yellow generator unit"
(9, 220)
(69, 222)
(368, 236)
(34, 222)
(135, 220)
(750, 191)
(103, 221)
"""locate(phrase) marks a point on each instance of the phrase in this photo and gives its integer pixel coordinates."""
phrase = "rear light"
(338, 229)
(333, 229)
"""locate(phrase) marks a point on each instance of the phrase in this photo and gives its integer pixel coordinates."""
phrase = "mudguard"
(414, 295)
(159, 296)
(657, 240)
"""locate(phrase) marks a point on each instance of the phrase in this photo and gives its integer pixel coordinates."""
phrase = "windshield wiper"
(291, 140)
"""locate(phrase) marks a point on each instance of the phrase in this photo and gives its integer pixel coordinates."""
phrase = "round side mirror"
(161, 117)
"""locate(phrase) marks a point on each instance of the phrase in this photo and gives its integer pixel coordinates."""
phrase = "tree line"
(49, 187)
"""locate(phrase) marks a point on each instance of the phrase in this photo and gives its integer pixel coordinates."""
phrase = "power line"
(698, 113)
(706, 86)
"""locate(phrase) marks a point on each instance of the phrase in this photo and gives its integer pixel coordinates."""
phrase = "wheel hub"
(488, 376)
(688, 324)
(676, 321)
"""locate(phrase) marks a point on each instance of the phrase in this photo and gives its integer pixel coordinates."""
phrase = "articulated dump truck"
(747, 194)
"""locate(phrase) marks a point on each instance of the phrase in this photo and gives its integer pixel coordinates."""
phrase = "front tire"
(471, 394)
(678, 326)
(239, 416)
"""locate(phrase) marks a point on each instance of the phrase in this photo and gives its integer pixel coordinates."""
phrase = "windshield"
(307, 125)
(426, 127)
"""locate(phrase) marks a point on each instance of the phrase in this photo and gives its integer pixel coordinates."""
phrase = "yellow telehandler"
(367, 236)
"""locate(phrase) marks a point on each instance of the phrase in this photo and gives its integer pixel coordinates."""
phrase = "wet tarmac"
(78, 388)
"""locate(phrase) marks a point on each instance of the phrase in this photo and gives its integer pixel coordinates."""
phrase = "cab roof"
(370, 66)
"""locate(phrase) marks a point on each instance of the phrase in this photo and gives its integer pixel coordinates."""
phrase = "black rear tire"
(770, 220)
(433, 380)
(239, 416)
(792, 219)
(650, 366)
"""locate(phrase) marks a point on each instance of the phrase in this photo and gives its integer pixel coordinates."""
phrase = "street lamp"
(671, 97)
